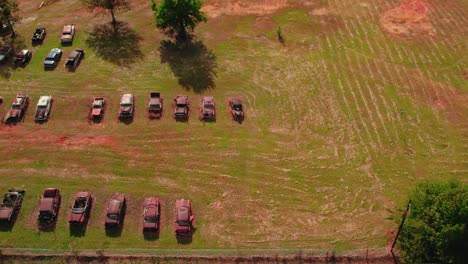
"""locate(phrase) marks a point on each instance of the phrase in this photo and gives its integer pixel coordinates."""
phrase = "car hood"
(125, 109)
(182, 229)
(209, 111)
(40, 112)
(66, 37)
(2, 57)
(111, 221)
(5, 212)
(15, 112)
(180, 110)
(49, 62)
(76, 217)
(150, 225)
(96, 111)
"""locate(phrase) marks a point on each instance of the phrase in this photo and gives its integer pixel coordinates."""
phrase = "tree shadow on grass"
(17, 43)
(191, 62)
(120, 46)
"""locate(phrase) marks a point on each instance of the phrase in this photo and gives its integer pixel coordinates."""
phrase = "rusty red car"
(183, 224)
(81, 208)
(97, 108)
(17, 109)
(49, 206)
(181, 107)
(151, 213)
(155, 105)
(115, 211)
(236, 108)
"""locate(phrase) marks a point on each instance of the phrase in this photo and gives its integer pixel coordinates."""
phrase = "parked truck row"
(81, 208)
(155, 106)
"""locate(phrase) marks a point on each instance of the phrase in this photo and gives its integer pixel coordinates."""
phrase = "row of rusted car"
(80, 212)
(23, 57)
(155, 107)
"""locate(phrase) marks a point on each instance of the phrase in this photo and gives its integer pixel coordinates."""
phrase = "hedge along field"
(342, 121)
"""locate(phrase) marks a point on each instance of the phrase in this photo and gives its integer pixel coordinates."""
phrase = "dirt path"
(364, 256)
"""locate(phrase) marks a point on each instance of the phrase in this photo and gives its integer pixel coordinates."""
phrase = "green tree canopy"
(111, 5)
(8, 8)
(436, 229)
(178, 16)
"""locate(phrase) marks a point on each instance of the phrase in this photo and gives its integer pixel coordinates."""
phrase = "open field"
(343, 120)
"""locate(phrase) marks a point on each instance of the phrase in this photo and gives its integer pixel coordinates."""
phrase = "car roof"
(114, 206)
(73, 54)
(44, 100)
(18, 100)
(181, 99)
(23, 52)
(67, 28)
(98, 102)
(236, 100)
(126, 98)
(46, 204)
(114, 203)
(81, 194)
(183, 213)
(208, 99)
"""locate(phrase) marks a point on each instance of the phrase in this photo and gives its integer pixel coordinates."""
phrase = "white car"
(43, 108)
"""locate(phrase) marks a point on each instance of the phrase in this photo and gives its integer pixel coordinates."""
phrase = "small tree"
(111, 5)
(8, 8)
(436, 228)
(178, 16)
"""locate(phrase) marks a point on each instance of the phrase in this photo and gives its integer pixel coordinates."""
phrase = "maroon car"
(17, 109)
(81, 208)
(155, 105)
(184, 218)
(49, 206)
(181, 110)
(115, 211)
(151, 215)
(208, 109)
(236, 108)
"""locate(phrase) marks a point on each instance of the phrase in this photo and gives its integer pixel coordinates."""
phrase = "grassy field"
(342, 122)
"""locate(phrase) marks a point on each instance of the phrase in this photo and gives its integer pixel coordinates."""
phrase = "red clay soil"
(410, 18)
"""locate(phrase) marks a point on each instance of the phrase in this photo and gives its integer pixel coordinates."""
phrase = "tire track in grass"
(348, 78)
(373, 99)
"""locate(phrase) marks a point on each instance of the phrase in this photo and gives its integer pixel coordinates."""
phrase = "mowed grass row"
(341, 124)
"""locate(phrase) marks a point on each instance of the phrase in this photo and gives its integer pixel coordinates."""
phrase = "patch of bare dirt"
(218, 8)
(410, 18)
(264, 23)
(80, 142)
(323, 11)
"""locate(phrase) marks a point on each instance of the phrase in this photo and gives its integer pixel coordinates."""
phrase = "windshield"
(41, 107)
(151, 219)
(238, 107)
(183, 222)
(157, 106)
(44, 213)
(113, 216)
(209, 106)
(96, 106)
(66, 33)
(16, 106)
(181, 105)
(125, 105)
